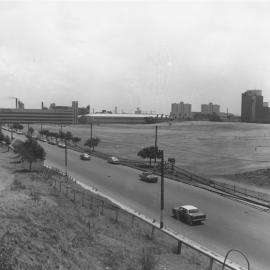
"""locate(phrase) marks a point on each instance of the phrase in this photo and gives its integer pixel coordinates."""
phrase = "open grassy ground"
(207, 148)
(42, 229)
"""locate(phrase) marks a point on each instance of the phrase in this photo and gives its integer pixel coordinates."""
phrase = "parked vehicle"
(61, 144)
(189, 214)
(113, 160)
(53, 142)
(148, 177)
(42, 139)
(85, 156)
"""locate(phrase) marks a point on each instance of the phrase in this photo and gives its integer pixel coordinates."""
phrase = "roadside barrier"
(102, 202)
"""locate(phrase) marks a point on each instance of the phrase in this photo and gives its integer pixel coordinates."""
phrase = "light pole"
(161, 153)
(65, 157)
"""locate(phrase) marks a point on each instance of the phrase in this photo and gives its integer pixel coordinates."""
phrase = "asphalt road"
(229, 224)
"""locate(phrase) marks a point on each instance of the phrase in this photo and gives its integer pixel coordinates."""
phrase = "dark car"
(113, 160)
(148, 177)
(85, 156)
(53, 142)
(189, 214)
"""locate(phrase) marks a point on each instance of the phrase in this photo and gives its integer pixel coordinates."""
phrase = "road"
(229, 224)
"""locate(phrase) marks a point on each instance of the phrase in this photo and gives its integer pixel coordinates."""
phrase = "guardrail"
(106, 202)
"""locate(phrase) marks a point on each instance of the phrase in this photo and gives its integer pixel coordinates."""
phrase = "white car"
(113, 160)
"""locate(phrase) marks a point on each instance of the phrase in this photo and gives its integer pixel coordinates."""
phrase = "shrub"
(17, 185)
(148, 260)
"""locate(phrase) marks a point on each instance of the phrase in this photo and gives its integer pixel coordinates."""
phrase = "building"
(210, 108)
(109, 118)
(253, 108)
(180, 111)
(64, 115)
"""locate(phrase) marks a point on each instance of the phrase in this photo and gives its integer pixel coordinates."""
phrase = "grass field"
(207, 148)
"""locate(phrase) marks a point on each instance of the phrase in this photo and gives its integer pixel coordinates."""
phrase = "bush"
(17, 185)
(148, 261)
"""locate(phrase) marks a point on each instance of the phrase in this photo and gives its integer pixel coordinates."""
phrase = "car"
(85, 156)
(61, 145)
(52, 142)
(188, 214)
(113, 160)
(148, 177)
(42, 139)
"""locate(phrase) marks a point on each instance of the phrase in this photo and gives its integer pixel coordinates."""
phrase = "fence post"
(102, 207)
(74, 198)
(179, 247)
(211, 263)
(82, 198)
(116, 214)
(152, 232)
(132, 220)
(91, 202)
(66, 191)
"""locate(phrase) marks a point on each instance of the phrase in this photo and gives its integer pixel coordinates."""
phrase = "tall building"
(181, 110)
(253, 109)
(75, 112)
(210, 108)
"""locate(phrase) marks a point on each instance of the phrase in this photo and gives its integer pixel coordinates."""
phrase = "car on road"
(85, 156)
(188, 214)
(42, 139)
(113, 160)
(53, 142)
(61, 145)
(148, 177)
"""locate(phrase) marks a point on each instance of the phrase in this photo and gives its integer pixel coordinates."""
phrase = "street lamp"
(160, 154)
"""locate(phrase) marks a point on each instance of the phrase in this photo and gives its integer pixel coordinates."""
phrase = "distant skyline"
(134, 54)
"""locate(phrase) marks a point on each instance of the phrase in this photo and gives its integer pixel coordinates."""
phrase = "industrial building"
(110, 118)
(64, 115)
(254, 109)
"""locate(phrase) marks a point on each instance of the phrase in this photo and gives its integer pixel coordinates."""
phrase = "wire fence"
(103, 205)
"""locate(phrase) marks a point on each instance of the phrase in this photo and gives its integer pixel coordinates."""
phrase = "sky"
(128, 54)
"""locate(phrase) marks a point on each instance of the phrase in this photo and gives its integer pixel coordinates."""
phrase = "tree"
(68, 136)
(30, 132)
(7, 141)
(75, 140)
(149, 152)
(31, 151)
(92, 143)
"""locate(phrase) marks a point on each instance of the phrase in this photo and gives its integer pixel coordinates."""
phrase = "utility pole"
(91, 138)
(65, 157)
(162, 189)
(156, 146)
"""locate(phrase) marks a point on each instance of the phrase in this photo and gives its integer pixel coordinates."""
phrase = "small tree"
(31, 151)
(92, 143)
(68, 136)
(30, 132)
(7, 141)
(75, 140)
(148, 152)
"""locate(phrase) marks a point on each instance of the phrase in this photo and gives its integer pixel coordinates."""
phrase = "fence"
(102, 202)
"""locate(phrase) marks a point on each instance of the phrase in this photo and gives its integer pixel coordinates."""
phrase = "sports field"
(208, 148)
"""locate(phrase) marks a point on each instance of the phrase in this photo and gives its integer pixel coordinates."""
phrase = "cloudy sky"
(133, 54)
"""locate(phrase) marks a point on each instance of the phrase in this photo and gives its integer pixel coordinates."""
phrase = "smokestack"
(42, 105)
(16, 103)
